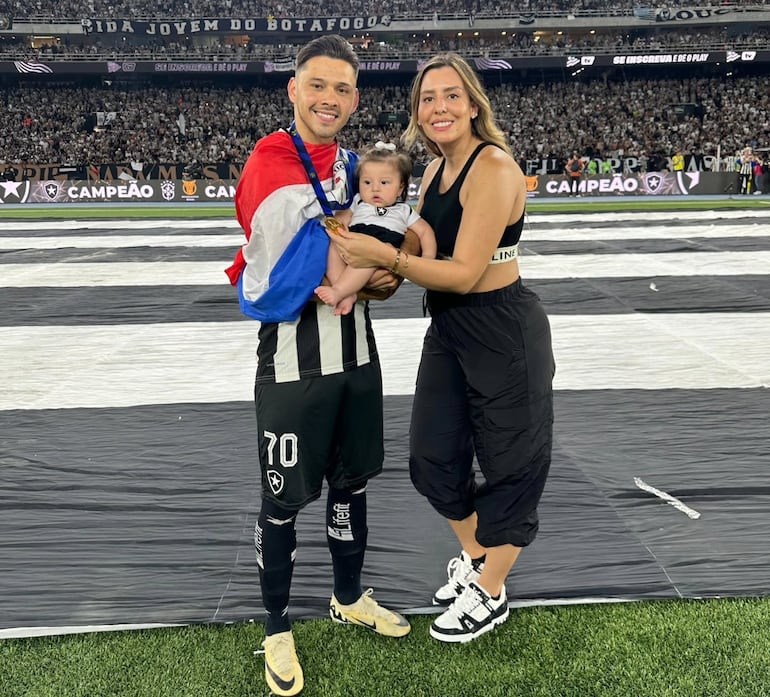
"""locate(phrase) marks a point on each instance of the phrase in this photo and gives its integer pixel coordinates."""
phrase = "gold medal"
(332, 225)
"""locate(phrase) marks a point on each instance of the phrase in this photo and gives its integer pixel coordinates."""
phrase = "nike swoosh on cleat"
(373, 625)
(346, 620)
(283, 684)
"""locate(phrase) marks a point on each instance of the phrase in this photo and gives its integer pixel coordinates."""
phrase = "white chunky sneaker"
(474, 613)
(460, 572)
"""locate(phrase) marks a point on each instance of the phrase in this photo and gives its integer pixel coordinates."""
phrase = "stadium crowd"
(609, 118)
(635, 118)
(76, 10)
(520, 43)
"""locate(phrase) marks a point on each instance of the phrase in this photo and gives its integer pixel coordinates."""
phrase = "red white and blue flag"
(284, 258)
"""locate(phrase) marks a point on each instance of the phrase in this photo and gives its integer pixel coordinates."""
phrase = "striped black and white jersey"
(397, 217)
(317, 343)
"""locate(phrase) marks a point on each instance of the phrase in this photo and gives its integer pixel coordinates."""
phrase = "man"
(574, 169)
(318, 390)
(677, 161)
(745, 166)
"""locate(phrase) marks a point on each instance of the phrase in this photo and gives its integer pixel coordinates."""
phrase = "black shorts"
(383, 234)
(484, 388)
(323, 427)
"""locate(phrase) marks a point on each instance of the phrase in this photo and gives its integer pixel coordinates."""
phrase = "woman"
(484, 383)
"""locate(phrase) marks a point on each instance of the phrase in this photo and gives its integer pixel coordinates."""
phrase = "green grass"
(80, 211)
(716, 648)
(647, 203)
(227, 211)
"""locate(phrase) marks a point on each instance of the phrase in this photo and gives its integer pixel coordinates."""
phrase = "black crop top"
(444, 211)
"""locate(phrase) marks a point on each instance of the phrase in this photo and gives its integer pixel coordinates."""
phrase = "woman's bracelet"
(396, 268)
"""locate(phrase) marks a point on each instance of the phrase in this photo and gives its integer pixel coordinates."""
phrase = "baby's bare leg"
(334, 264)
(342, 295)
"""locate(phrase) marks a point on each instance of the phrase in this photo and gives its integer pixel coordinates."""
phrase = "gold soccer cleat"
(283, 672)
(367, 612)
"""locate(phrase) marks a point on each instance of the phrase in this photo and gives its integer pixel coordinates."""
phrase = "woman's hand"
(381, 286)
(383, 280)
(361, 251)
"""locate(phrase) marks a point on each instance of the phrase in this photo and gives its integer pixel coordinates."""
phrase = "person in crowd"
(745, 166)
(606, 165)
(574, 169)
(10, 173)
(765, 177)
(379, 209)
(758, 173)
(318, 387)
(484, 385)
(677, 161)
(697, 160)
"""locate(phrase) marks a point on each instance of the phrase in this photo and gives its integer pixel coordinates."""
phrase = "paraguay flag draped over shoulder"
(284, 258)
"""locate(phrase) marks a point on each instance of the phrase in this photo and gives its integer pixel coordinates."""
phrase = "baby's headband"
(379, 145)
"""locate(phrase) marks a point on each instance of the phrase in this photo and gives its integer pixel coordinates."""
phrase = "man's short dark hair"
(330, 46)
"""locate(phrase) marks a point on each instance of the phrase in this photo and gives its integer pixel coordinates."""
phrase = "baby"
(378, 209)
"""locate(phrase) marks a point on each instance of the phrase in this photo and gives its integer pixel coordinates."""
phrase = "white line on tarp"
(64, 274)
(29, 632)
(675, 502)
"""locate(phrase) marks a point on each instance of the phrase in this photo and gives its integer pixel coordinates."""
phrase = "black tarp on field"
(128, 478)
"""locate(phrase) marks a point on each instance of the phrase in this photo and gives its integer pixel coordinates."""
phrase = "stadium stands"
(607, 92)
(221, 124)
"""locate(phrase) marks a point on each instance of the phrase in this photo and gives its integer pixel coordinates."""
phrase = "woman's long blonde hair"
(484, 125)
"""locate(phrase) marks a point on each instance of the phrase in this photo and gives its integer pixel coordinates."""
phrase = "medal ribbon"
(312, 175)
